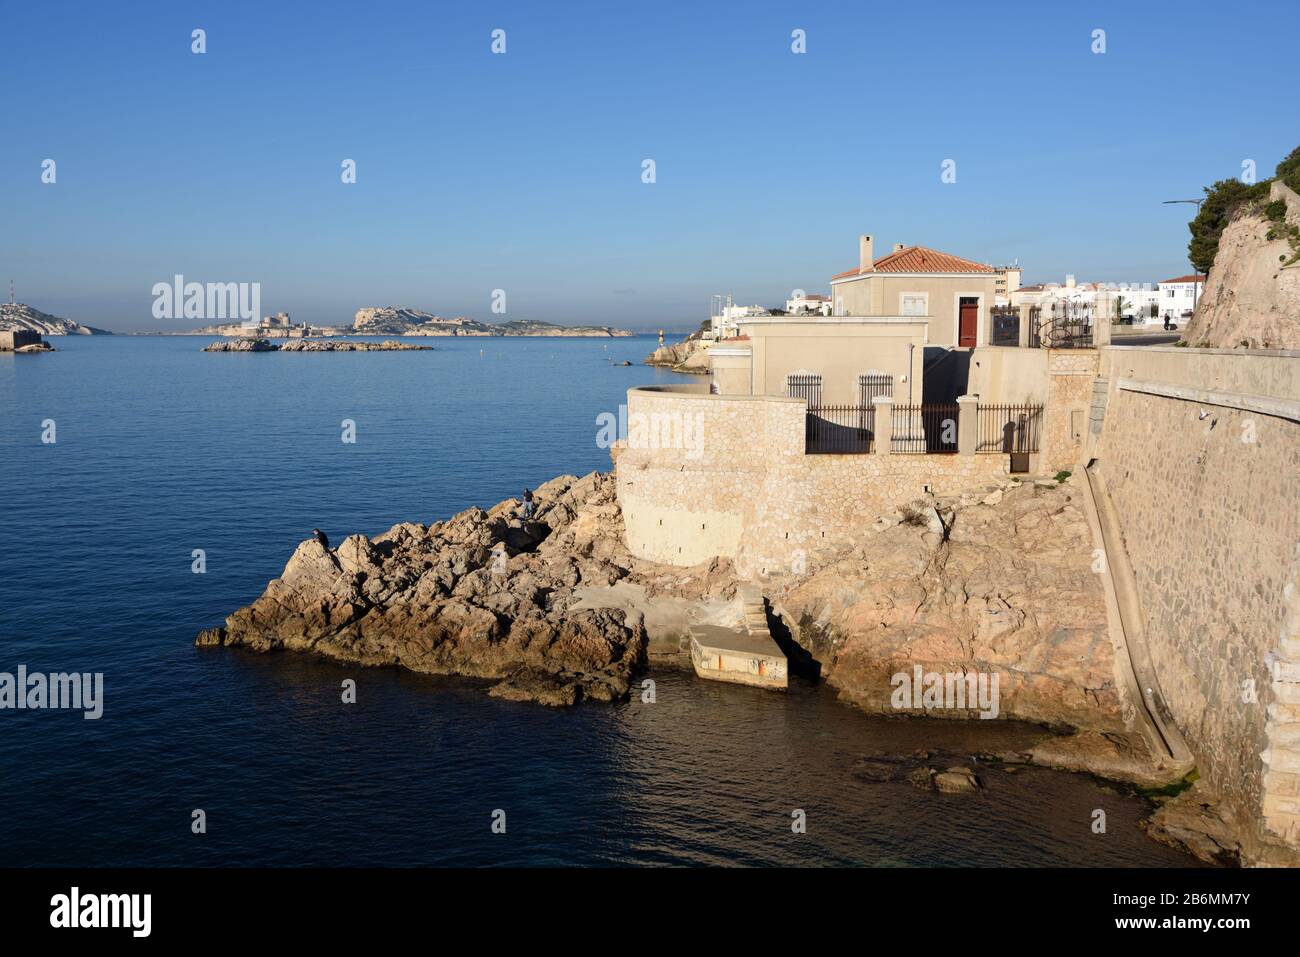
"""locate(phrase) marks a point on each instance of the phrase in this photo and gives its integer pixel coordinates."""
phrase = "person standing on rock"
(323, 540)
(528, 503)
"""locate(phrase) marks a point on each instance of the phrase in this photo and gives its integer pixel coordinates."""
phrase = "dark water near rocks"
(162, 449)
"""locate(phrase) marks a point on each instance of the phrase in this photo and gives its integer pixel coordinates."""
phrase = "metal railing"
(840, 429)
(1003, 429)
(925, 429)
(1006, 326)
(805, 386)
(1067, 325)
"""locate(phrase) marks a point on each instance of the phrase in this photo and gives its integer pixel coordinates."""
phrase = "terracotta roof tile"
(921, 259)
(1183, 279)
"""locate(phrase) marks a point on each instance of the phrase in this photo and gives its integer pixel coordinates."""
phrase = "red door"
(969, 315)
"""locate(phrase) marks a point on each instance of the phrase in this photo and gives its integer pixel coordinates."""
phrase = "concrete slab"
(726, 654)
(667, 620)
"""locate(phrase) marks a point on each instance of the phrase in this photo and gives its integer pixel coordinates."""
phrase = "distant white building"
(1135, 299)
(808, 305)
(724, 313)
(1178, 296)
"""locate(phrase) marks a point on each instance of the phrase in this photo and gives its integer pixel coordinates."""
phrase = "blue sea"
(161, 449)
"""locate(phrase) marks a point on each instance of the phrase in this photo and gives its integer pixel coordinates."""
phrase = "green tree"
(1288, 171)
(1223, 200)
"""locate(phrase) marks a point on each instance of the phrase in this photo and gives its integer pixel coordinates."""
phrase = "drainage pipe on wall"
(1132, 656)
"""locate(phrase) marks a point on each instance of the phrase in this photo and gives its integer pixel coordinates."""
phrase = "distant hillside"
(401, 321)
(19, 316)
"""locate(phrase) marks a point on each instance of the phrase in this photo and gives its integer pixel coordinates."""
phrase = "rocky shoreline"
(688, 356)
(484, 594)
(555, 610)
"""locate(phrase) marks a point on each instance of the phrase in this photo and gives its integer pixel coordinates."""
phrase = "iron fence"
(922, 429)
(1067, 325)
(806, 387)
(1006, 326)
(1003, 429)
(872, 384)
(840, 429)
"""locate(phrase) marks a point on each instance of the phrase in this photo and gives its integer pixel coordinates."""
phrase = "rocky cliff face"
(1251, 298)
(18, 316)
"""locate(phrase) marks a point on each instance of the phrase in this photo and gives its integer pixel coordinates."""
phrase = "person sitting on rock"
(528, 504)
(321, 537)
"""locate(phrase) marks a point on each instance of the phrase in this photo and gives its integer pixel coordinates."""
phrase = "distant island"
(253, 344)
(401, 321)
(17, 317)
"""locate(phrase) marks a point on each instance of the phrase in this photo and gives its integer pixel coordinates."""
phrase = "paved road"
(1145, 339)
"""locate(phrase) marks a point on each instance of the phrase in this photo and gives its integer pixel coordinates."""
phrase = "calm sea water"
(162, 449)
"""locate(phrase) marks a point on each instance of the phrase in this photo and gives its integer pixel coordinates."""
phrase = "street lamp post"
(1197, 204)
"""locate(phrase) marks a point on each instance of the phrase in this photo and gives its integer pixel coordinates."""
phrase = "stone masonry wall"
(1208, 502)
(748, 492)
(1070, 374)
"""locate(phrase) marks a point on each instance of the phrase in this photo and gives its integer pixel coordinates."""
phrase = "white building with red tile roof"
(808, 304)
(1178, 296)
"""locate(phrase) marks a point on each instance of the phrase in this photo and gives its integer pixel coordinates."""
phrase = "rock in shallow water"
(483, 594)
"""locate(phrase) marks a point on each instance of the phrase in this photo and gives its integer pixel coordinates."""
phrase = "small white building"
(1135, 298)
(808, 305)
(724, 313)
(1178, 296)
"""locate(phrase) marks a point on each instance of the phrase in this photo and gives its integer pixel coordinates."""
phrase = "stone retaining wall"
(748, 492)
(1205, 487)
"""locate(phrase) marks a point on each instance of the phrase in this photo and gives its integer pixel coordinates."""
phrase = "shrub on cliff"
(1224, 200)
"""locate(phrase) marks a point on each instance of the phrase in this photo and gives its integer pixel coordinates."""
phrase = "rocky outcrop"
(998, 582)
(401, 321)
(484, 594)
(1190, 822)
(1252, 294)
(689, 355)
(312, 345)
(16, 315)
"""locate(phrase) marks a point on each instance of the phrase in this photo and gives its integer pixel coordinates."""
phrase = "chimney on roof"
(864, 253)
(898, 247)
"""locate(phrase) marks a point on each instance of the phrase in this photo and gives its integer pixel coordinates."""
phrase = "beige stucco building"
(886, 314)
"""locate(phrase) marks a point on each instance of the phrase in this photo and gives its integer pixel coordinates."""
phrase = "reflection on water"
(708, 774)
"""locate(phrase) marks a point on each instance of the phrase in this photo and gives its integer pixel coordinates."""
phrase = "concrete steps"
(746, 656)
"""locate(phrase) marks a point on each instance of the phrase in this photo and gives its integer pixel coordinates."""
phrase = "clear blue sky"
(523, 171)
